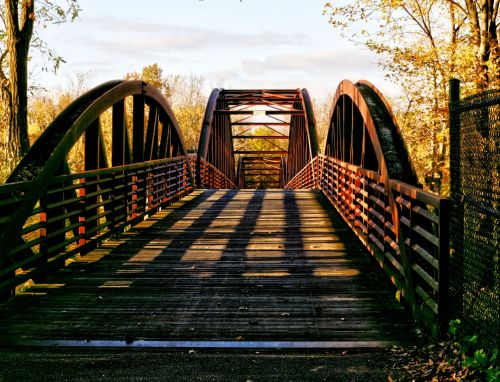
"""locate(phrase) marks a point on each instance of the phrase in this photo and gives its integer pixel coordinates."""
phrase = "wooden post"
(44, 245)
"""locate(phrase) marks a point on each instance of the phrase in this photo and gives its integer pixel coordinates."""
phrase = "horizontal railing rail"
(212, 177)
(77, 211)
(360, 196)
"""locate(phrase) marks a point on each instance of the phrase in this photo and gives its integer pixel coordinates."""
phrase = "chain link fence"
(475, 215)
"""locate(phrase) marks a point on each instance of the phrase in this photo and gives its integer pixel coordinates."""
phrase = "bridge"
(259, 240)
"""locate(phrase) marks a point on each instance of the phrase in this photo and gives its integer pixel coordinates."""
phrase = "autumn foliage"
(421, 45)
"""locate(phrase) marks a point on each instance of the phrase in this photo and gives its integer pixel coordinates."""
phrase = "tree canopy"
(421, 45)
(20, 21)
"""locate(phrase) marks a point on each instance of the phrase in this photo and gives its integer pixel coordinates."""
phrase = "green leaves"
(453, 328)
(493, 375)
(476, 359)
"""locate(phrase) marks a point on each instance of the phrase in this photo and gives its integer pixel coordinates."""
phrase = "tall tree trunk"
(482, 15)
(19, 32)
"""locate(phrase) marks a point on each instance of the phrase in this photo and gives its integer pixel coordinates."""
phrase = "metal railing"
(420, 269)
(78, 211)
(212, 177)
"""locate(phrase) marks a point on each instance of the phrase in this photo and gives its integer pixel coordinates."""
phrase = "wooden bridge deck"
(247, 265)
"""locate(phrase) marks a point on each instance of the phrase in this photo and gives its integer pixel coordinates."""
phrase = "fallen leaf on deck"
(317, 368)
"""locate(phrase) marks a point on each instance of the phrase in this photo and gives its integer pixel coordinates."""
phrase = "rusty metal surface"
(364, 132)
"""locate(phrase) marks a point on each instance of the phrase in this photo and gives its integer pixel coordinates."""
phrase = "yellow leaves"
(398, 295)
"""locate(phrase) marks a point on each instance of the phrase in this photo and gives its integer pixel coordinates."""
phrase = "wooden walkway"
(237, 266)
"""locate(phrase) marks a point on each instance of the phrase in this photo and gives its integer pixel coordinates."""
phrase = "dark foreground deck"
(277, 267)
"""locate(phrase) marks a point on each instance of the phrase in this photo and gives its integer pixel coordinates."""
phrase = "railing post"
(150, 179)
(163, 191)
(356, 204)
(53, 218)
(385, 215)
(184, 167)
(456, 196)
(368, 201)
(199, 171)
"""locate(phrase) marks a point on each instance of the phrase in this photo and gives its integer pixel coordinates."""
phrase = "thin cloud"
(126, 36)
(346, 61)
(320, 71)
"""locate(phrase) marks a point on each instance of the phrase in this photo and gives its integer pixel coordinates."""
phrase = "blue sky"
(232, 44)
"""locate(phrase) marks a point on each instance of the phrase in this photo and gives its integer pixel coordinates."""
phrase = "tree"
(188, 103)
(482, 17)
(422, 44)
(322, 111)
(152, 74)
(185, 96)
(16, 37)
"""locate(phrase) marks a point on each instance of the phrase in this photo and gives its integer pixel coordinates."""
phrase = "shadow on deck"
(247, 268)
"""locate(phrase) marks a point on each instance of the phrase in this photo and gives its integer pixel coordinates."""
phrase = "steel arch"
(381, 142)
(46, 158)
(364, 132)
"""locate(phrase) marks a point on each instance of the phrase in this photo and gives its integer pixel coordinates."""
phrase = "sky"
(230, 43)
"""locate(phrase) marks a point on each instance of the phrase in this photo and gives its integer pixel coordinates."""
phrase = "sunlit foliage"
(421, 45)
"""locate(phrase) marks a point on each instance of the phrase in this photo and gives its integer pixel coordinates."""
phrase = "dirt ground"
(139, 364)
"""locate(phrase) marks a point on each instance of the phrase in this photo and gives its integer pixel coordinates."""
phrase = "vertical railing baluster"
(82, 216)
(44, 245)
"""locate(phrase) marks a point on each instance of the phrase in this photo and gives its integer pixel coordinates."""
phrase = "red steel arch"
(364, 132)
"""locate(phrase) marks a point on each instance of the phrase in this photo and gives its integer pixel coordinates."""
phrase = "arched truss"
(270, 134)
(364, 132)
(216, 144)
(153, 134)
